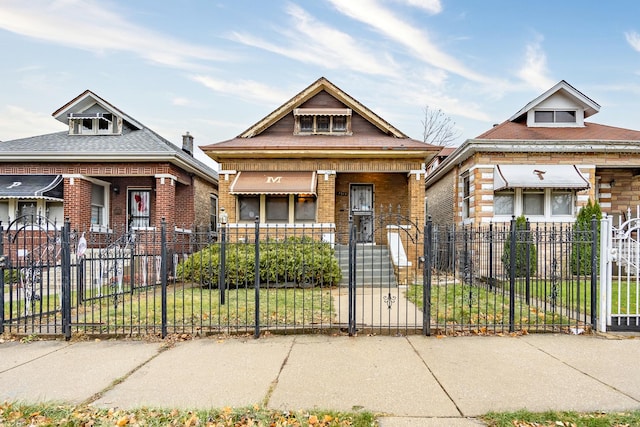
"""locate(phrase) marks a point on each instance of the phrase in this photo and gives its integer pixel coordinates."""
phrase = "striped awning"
(31, 187)
(274, 183)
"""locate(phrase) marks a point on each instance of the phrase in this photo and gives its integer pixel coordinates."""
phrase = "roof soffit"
(308, 93)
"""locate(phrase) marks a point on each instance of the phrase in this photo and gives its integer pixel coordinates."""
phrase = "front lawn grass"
(456, 304)
(555, 418)
(191, 308)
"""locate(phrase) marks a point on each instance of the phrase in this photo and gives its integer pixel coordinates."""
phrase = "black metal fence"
(253, 279)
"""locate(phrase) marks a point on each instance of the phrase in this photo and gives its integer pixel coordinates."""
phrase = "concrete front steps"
(373, 266)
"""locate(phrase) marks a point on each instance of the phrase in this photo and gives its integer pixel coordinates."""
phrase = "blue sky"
(214, 68)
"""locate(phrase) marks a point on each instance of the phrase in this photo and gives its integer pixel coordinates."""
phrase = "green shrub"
(11, 276)
(524, 243)
(294, 260)
(581, 248)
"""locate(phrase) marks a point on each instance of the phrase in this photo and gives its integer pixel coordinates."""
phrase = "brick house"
(544, 162)
(318, 160)
(106, 172)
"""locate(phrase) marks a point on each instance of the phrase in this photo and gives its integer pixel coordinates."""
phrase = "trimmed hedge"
(294, 261)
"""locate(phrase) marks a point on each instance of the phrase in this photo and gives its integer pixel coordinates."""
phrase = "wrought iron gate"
(382, 274)
(620, 273)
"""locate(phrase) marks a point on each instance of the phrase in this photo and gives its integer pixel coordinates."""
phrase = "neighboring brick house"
(319, 160)
(106, 173)
(545, 162)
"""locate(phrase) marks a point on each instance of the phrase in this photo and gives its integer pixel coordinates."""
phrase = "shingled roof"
(136, 143)
(590, 132)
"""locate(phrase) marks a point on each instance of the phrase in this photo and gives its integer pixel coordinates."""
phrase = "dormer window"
(91, 124)
(322, 121)
(555, 116)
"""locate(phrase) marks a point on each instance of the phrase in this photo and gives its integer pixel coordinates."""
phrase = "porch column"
(226, 200)
(416, 197)
(165, 206)
(326, 196)
(416, 190)
(77, 202)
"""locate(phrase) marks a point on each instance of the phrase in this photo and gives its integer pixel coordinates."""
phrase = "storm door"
(361, 200)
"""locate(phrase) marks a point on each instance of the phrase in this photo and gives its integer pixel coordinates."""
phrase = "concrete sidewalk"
(411, 380)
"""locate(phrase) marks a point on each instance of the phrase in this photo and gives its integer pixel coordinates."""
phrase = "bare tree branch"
(438, 128)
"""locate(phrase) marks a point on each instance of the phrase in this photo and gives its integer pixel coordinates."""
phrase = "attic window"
(555, 116)
(91, 124)
(322, 121)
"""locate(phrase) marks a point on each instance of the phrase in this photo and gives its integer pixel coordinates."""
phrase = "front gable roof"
(373, 138)
(308, 93)
(515, 136)
(86, 100)
(562, 87)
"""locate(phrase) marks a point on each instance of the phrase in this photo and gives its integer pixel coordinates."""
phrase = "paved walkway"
(413, 380)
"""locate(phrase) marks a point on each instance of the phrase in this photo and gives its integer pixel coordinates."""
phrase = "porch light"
(224, 217)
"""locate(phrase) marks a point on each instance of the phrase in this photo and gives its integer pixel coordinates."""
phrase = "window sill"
(100, 229)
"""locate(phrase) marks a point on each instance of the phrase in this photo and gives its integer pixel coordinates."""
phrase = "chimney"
(187, 144)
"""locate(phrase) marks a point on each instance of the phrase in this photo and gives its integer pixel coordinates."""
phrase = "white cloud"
(314, 42)
(180, 101)
(432, 6)
(414, 39)
(534, 70)
(91, 26)
(17, 122)
(633, 39)
(245, 89)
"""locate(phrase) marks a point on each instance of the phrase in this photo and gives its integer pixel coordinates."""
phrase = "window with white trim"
(555, 116)
(466, 195)
(534, 203)
(291, 208)
(503, 202)
(30, 210)
(139, 208)
(92, 124)
(98, 203)
(324, 121)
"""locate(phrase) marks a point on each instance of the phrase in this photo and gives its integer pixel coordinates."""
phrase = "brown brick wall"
(165, 202)
(441, 199)
(77, 199)
(179, 207)
(326, 212)
(201, 206)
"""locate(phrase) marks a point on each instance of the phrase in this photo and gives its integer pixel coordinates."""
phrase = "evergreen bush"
(582, 239)
(524, 244)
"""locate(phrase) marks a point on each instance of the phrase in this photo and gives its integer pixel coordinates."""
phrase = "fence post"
(594, 267)
(352, 278)
(163, 275)
(527, 290)
(512, 275)
(426, 278)
(222, 273)
(256, 280)
(3, 262)
(65, 262)
(605, 273)
(491, 279)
